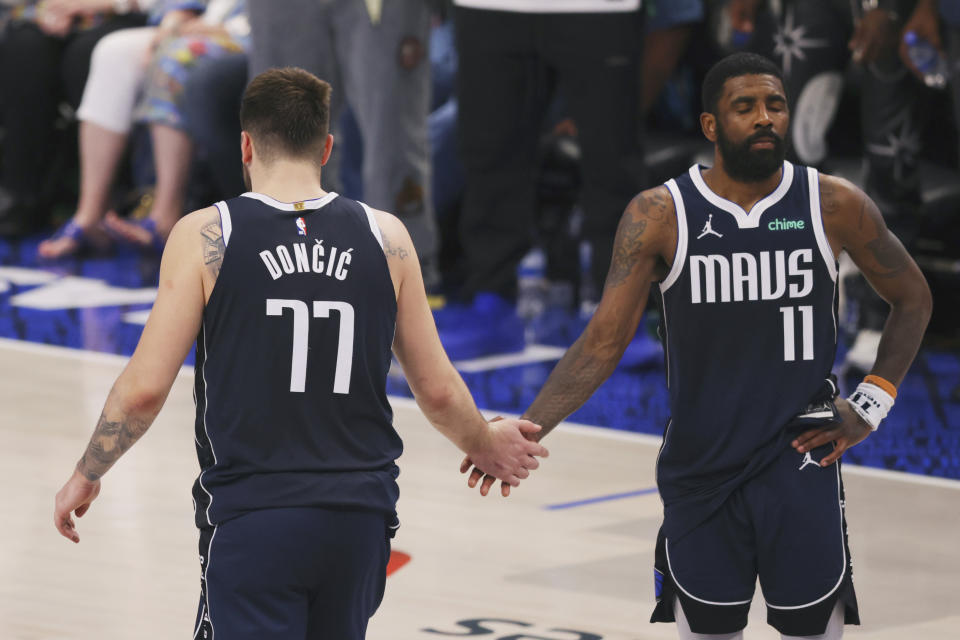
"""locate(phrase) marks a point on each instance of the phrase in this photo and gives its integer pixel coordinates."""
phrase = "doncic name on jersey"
(301, 258)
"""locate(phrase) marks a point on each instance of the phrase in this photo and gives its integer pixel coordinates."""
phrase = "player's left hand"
(850, 430)
(74, 497)
(476, 474)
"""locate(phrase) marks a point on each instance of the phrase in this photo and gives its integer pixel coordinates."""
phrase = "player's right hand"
(75, 497)
(506, 453)
(845, 433)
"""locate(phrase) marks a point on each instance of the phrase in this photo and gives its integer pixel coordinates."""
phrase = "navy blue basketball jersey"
(292, 360)
(749, 322)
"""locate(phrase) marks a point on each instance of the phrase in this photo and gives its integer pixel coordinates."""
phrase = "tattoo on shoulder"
(829, 198)
(649, 206)
(655, 204)
(213, 246)
(391, 250)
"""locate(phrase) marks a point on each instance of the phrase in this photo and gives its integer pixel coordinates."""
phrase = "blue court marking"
(612, 496)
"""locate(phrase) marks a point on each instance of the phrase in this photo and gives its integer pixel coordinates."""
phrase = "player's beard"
(751, 165)
(246, 178)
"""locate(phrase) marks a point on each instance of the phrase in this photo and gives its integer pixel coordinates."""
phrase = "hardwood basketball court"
(567, 557)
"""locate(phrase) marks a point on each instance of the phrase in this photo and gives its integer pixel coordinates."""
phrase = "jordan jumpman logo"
(808, 459)
(708, 229)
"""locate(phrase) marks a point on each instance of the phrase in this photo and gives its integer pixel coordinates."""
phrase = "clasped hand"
(507, 452)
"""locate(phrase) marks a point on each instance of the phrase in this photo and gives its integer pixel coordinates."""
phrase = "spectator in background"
(813, 41)
(374, 54)
(446, 184)
(926, 21)
(669, 26)
(211, 106)
(121, 91)
(590, 51)
(45, 54)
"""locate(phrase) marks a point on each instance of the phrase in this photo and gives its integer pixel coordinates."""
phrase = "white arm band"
(871, 403)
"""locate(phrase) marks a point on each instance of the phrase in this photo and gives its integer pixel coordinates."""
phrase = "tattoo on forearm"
(213, 247)
(390, 250)
(570, 384)
(109, 441)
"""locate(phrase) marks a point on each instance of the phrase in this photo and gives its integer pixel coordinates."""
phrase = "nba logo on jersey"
(301, 227)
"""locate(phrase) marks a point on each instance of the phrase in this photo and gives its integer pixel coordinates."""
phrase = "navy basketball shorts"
(303, 573)
(785, 526)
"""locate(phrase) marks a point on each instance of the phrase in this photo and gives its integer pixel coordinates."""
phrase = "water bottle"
(532, 284)
(589, 296)
(928, 61)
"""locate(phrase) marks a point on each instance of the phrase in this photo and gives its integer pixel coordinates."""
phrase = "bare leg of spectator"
(172, 151)
(100, 152)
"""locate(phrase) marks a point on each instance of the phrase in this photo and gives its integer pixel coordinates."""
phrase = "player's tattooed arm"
(643, 244)
(110, 440)
(213, 246)
(654, 209)
(854, 223)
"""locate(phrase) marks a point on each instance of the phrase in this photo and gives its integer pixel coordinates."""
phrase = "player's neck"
(287, 181)
(745, 194)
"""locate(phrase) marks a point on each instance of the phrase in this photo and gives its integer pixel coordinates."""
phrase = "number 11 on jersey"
(790, 334)
(301, 338)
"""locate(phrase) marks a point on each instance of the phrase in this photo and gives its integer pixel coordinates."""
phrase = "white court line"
(532, 353)
(137, 317)
(593, 431)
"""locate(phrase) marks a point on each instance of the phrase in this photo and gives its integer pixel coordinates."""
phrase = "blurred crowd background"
(509, 135)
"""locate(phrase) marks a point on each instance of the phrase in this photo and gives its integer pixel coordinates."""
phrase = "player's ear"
(246, 148)
(708, 124)
(327, 148)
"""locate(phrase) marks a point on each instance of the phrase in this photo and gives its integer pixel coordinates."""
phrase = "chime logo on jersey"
(301, 227)
(782, 224)
(744, 276)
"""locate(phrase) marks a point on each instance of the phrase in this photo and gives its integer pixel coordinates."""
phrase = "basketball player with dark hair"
(295, 298)
(744, 255)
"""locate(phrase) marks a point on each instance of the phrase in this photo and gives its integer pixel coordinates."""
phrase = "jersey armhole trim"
(226, 224)
(816, 217)
(374, 227)
(680, 256)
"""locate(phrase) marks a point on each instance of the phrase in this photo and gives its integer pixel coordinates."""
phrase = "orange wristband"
(883, 383)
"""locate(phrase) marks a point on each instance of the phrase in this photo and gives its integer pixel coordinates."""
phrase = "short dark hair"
(734, 66)
(287, 113)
